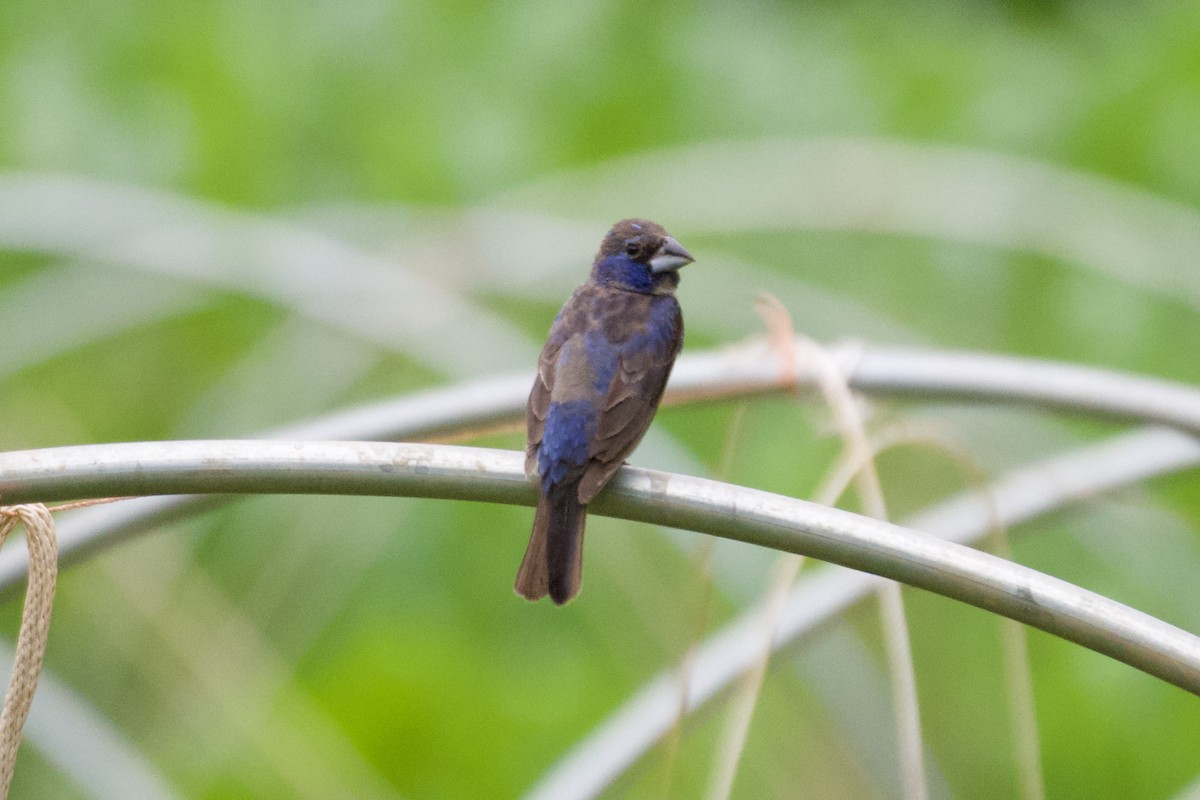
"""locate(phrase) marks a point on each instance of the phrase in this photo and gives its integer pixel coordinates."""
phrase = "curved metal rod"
(754, 368)
(633, 729)
(697, 504)
(746, 369)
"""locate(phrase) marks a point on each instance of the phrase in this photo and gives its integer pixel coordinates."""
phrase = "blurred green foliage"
(281, 647)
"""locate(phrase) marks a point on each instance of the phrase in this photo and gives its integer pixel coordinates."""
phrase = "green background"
(203, 210)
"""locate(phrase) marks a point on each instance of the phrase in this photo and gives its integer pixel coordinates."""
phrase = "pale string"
(1018, 678)
(830, 380)
(35, 626)
(703, 559)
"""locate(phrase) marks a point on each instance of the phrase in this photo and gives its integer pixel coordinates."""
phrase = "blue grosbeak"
(600, 378)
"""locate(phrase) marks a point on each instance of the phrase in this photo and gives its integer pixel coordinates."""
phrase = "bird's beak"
(669, 256)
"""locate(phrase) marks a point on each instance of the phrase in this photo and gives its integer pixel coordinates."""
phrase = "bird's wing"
(539, 404)
(633, 396)
(568, 320)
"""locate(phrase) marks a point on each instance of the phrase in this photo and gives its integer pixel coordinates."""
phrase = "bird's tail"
(553, 562)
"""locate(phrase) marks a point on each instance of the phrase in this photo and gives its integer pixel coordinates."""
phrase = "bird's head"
(639, 255)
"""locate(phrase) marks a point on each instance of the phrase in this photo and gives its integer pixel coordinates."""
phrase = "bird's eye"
(632, 247)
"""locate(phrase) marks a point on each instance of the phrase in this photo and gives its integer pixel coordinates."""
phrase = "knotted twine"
(35, 626)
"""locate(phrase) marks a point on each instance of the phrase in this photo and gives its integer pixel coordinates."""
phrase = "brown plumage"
(600, 378)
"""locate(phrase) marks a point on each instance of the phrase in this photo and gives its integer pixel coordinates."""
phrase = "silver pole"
(697, 504)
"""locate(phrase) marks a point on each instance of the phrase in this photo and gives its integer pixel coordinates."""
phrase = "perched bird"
(600, 377)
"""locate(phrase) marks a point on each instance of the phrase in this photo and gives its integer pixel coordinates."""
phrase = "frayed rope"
(35, 626)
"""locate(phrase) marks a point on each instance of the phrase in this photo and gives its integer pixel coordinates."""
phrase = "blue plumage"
(565, 447)
(600, 378)
(621, 270)
(602, 358)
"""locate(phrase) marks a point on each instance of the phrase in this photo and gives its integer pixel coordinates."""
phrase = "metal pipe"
(698, 504)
